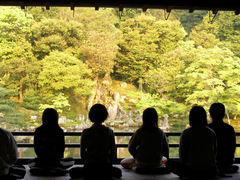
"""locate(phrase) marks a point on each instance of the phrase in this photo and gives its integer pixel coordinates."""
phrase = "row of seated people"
(205, 149)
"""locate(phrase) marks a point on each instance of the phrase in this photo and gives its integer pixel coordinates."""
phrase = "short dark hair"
(50, 117)
(198, 117)
(217, 111)
(98, 113)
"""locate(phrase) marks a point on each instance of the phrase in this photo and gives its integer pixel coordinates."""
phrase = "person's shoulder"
(59, 129)
(160, 130)
(187, 130)
(228, 125)
(221, 125)
(139, 130)
(108, 129)
(86, 130)
(4, 131)
(5, 134)
(39, 129)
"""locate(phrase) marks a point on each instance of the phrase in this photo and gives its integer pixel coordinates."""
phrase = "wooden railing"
(77, 145)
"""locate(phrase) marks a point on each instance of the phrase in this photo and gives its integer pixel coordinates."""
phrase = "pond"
(175, 126)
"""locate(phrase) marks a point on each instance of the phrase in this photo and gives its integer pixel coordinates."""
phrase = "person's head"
(98, 113)
(198, 117)
(50, 117)
(217, 111)
(150, 118)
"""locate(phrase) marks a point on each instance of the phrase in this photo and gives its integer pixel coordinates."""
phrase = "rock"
(33, 118)
(123, 84)
(133, 100)
(62, 119)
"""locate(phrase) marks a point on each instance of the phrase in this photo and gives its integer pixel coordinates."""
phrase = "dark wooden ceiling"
(191, 5)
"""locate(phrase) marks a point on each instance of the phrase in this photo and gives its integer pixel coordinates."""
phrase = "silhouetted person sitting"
(9, 156)
(226, 139)
(148, 146)
(197, 149)
(98, 149)
(49, 145)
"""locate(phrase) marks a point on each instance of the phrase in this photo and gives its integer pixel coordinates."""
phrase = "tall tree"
(204, 34)
(189, 20)
(162, 79)
(100, 48)
(229, 31)
(17, 65)
(16, 55)
(53, 34)
(211, 77)
(144, 40)
(64, 73)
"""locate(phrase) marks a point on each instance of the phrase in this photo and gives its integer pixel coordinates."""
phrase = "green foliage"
(15, 118)
(210, 76)
(229, 31)
(62, 72)
(103, 36)
(7, 108)
(144, 39)
(204, 34)
(59, 103)
(30, 100)
(51, 59)
(162, 106)
(189, 20)
(51, 34)
(14, 24)
(40, 13)
(5, 104)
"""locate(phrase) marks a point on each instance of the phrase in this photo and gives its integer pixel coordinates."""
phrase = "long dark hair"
(150, 119)
(198, 117)
(50, 118)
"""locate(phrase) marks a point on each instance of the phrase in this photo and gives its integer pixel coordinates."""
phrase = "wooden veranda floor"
(130, 175)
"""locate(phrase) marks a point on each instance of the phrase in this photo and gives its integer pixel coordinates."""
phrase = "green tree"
(189, 20)
(5, 104)
(17, 61)
(137, 49)
(211, 77)
(204, 34)
(52, 34)
(63, 73)
(162, 79)
(229, 31)
(162, 105)
(40, 13)
(144, 40)
(7, 108)
(14, 24)
(103, 36)
(59, 103)
(16, 56)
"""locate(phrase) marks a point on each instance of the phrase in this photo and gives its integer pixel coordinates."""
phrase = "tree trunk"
(229, 122)
(21, 90)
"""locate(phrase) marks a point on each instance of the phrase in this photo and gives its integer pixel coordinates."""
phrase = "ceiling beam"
(227, 5)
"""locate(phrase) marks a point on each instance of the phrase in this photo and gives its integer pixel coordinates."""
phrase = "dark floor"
(130, 175)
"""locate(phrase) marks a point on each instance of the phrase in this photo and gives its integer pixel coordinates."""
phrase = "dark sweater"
(49, 145)
(226, 142)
